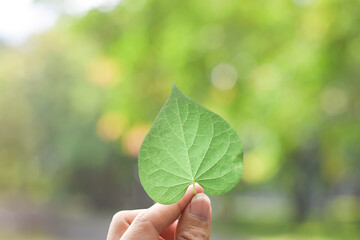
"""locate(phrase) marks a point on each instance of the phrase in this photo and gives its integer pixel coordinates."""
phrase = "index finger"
(121, 222)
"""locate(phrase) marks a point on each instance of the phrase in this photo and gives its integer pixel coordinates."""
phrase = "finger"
(162, 216)
(120, 223)
(154, 220)
(169, 232)
(196, 219)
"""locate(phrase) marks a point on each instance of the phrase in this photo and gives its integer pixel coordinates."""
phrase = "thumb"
(195, 220)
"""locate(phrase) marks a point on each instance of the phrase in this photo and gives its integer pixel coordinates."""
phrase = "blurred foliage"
(76, 101)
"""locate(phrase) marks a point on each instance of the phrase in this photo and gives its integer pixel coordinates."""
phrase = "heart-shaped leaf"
(188, 143)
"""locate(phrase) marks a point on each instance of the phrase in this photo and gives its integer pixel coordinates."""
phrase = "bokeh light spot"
(265, 77)
(133, 138)
(258, 167)
(334, 101)
(104, 72)
(110, 126)
(223, 76)
(314, 25)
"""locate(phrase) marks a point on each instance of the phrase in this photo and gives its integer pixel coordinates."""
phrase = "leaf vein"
(227, 149)
(208, 147)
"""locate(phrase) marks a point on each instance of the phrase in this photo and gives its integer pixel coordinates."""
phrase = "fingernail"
(200, 207)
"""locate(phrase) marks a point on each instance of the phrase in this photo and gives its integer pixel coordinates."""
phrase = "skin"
(163, 222)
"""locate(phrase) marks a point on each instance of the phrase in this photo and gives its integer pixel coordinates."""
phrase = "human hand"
(161, 221)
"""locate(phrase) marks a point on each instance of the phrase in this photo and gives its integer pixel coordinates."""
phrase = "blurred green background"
(77, 100)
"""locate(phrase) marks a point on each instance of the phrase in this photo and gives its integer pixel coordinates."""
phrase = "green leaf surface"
(188, 143)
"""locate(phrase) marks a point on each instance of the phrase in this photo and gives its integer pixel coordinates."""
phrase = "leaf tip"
(174, 87)
(175, 90)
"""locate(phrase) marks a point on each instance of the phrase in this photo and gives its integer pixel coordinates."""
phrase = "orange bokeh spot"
(133, 139)
(104, 72)
(110, 126)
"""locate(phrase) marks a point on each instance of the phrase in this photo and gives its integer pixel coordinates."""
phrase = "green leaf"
(188, 143)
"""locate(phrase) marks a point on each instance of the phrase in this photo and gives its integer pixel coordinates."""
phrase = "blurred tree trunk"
(306, 179)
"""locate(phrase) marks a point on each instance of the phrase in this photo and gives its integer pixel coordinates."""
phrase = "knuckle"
(119, 218)
(146, 224)
(144, 221)
(141, 217)
(193, 234)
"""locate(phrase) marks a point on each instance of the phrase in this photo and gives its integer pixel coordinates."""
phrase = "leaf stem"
(194, 188)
